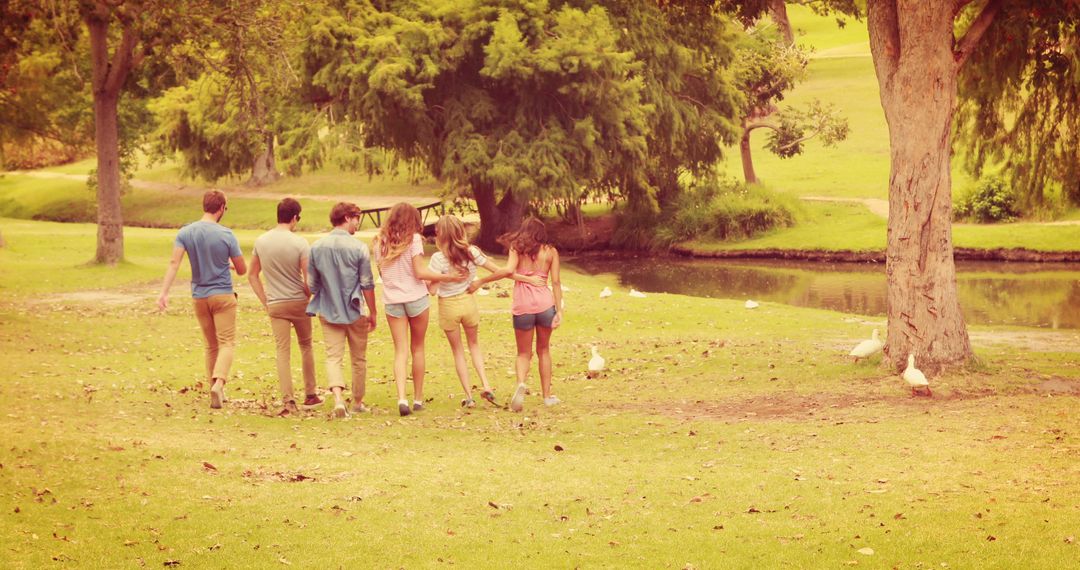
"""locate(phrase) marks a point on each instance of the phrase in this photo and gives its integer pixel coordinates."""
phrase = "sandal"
(489, 395)
(468, 403)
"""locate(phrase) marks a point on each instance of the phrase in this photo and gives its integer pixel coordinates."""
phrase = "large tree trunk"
(496, 217)
(747, 159)
(264, 171)
(778, 12)
(108, 81)
(918, 94)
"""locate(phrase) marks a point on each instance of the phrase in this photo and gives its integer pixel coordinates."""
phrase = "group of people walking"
(334, 280)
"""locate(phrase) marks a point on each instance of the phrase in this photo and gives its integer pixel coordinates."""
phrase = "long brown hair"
(451, 240)
(528, 239)
(396, 234)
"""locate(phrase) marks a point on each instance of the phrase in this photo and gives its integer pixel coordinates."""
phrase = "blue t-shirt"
(209, 247)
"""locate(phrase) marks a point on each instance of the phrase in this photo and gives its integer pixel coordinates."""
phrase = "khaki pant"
(335, 337)
(284, 317)
(217, 318)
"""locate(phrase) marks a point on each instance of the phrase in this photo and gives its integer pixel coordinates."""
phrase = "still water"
(1026, 294)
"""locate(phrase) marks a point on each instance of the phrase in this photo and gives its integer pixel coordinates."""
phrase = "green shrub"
(708, 208)
(992, 200)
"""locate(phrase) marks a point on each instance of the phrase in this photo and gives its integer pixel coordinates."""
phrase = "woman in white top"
(457, 306)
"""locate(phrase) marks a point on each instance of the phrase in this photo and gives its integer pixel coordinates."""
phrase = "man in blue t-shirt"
(210, 247)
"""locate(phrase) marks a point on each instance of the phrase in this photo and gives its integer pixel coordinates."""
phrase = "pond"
(991, 293)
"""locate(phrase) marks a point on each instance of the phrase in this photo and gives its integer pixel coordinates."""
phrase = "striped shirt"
(440, 264)
(399, 281)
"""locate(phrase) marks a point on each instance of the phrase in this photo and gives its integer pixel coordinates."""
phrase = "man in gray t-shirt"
(283, 257)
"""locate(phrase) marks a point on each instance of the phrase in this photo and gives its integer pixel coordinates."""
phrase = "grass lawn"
(717, 437)
(850, 226)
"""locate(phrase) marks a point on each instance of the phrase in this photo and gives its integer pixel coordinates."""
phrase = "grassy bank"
(718, 437)
(852, 227)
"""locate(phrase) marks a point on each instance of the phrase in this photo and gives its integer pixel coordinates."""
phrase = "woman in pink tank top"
(536, 308)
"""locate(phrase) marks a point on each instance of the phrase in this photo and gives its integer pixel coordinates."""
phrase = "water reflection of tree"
(1051, 303)
(1021, 294)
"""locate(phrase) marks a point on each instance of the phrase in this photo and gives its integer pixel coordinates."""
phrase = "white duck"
(752, 304)
(915, 378)
(605, 293)
(867, 348)
(637, 294)
(596, 363)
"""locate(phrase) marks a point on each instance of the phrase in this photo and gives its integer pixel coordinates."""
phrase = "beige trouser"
(335, 337)
(284, 317)
(217, 318)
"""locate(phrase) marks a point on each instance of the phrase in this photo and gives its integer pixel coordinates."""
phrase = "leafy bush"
(992, 200)
(709, 208)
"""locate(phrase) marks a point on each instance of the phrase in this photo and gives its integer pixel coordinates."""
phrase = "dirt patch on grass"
(785, 406)
(1032, 341)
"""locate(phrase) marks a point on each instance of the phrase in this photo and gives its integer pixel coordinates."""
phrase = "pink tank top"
(530, 299)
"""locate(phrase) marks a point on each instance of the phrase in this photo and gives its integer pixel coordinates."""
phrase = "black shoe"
(403, 409)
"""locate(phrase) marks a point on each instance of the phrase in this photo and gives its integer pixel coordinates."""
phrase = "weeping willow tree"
(1020, 103)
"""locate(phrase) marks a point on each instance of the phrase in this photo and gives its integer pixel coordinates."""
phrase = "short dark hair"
(343, 211)
(287, 209)
(212, 201)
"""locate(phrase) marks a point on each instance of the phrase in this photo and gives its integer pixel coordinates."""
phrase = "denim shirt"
(339, 270)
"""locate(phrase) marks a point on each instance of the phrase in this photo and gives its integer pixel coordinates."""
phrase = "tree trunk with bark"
(747, 158)
(264, 171)
(109, 75)
(778, 13)
(917, 62)
(496, 216)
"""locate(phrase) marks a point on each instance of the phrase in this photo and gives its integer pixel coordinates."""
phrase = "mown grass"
(828, 226)
(718, 437)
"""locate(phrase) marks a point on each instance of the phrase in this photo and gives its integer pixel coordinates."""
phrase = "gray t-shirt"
(439, 264)
(279, 252)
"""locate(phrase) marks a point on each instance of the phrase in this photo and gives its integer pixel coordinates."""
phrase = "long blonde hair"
(396, 234)
(451, 241)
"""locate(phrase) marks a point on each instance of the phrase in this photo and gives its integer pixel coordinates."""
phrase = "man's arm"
(313, 281)
(239, 265)
(255, 281)
(369, 298)
(170, 276)
(303, 273)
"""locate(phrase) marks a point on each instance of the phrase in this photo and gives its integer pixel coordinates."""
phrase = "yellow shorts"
(458, 310)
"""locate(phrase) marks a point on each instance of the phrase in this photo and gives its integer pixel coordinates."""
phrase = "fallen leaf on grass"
(558, 447)
(171, 563)
(208, 466)
(866, 551)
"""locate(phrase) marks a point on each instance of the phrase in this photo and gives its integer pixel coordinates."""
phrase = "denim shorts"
(529, 322)
(412, 308)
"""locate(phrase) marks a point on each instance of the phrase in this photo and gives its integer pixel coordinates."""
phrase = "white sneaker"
(552, 400)
(340, 412)
(517, 403)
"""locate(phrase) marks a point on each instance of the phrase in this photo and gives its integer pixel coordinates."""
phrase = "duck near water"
(915, 378)
(867, 348)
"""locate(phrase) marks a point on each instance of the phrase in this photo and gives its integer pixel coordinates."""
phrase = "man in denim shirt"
(339, 274)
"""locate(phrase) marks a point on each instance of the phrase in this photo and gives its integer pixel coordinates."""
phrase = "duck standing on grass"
(915, 378)
(596, 363)
(867, 348)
